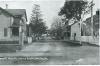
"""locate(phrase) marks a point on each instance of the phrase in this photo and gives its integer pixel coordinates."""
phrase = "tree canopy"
(56, 28)
(73, 9)
(36, 22)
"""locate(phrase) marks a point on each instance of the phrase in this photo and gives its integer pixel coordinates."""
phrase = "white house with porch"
(12, 24)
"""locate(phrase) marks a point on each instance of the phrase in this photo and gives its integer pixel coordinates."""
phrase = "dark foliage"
(36, 22)
(73, 9)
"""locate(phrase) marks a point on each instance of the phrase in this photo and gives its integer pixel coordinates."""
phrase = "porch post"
(20, 36)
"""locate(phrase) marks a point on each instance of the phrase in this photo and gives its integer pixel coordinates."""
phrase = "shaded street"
(63, 32)
(56, 52)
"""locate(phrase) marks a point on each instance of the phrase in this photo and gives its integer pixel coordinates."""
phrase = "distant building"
(75, 31)
(86, 30)
(86, 26)
(12, 24)
(66, 32)
(67, 29)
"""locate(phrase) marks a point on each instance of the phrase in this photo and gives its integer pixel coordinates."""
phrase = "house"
(67, 29)
(66, 32)
(75, 31)
(86, 27)
(12, 24)
(85, 34)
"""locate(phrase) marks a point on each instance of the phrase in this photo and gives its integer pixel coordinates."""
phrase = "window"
(0, 12)
(5, 32)
(15, 31)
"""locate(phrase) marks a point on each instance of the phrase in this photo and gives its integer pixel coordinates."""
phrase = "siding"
(75, 29)
(5, 22)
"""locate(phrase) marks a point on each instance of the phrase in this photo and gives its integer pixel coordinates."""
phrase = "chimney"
(6, 6)
(98, 12)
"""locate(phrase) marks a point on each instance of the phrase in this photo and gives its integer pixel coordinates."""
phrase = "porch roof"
(4, 11)
(17, 12)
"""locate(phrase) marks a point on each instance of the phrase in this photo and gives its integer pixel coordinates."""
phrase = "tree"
(56, 28)
(73, 9)
(37, 24)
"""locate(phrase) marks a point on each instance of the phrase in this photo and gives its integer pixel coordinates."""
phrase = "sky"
(49, 8)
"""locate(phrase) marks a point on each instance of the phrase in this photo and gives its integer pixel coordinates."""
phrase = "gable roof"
(17, 12)
(4, 11)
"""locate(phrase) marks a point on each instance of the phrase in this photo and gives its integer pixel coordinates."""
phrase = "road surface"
(53, 52)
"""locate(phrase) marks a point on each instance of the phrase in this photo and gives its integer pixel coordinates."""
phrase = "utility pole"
(21, 35)
(80, 28)
(81, 20)
(82, 16)
(92, 31)
(99, 27)
(80, 33)
(92, 18)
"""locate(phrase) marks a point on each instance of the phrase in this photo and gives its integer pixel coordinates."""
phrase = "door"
(74, 36)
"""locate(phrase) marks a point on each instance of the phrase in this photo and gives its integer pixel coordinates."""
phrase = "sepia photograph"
(49, 32)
